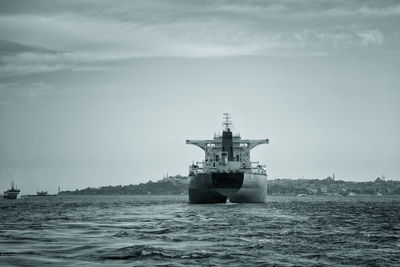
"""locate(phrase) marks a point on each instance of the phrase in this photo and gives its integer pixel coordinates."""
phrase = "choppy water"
(166, 230)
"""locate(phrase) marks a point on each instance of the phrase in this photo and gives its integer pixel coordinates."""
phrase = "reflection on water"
(152, 230)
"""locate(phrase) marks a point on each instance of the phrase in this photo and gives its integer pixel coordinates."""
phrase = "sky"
(99, 92)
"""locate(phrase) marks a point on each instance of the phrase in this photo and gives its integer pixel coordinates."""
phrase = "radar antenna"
(227, 123)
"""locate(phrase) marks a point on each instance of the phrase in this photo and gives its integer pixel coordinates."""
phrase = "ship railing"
(258, 168)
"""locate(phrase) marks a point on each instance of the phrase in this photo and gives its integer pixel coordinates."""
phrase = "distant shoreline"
(269, 195)
(177, 185)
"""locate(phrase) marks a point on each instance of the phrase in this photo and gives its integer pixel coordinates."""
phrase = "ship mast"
(227, 122)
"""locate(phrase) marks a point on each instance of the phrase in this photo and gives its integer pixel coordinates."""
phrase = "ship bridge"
(227, 153)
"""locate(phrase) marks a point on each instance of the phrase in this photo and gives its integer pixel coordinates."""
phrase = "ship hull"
(10, 195)
(219, 187)
(41, 195)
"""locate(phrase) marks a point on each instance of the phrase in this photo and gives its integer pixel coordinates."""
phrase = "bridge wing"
(200, 143)
(254, 143)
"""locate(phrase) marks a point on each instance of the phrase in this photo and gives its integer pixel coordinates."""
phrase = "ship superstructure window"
(237, 158)
(216, 157)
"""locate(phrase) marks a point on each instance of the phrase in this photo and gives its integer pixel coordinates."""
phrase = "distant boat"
(11, 193)
(42, 194)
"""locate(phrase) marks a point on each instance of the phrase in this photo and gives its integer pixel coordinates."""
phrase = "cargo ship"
(42, 194)
(11, 193)
(227, 174)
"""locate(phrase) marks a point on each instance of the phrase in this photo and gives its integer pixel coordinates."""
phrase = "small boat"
(11, 193)
(42, 194)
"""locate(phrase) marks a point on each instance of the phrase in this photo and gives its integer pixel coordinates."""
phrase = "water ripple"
(167, 231)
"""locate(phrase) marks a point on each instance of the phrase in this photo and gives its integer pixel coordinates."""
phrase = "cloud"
(79, 35)
(306, 42)
(12, 93)
(290, 9)
(372, 37)
(339, 38)
(30, 62)
(365, 10)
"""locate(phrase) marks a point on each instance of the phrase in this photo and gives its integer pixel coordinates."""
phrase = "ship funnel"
(227, 140)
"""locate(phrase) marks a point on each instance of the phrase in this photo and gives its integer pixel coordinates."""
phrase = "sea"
(168, 231)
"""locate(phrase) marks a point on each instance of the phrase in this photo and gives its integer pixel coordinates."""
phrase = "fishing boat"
(11, 193)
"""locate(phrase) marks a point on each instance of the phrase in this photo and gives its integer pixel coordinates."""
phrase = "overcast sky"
(106, 92)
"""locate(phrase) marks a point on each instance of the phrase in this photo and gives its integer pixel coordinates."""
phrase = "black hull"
(41, 195)
(10, 196)
(219, 187)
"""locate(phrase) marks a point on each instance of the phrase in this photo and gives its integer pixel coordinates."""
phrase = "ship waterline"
(220, 187)
(227, 172)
